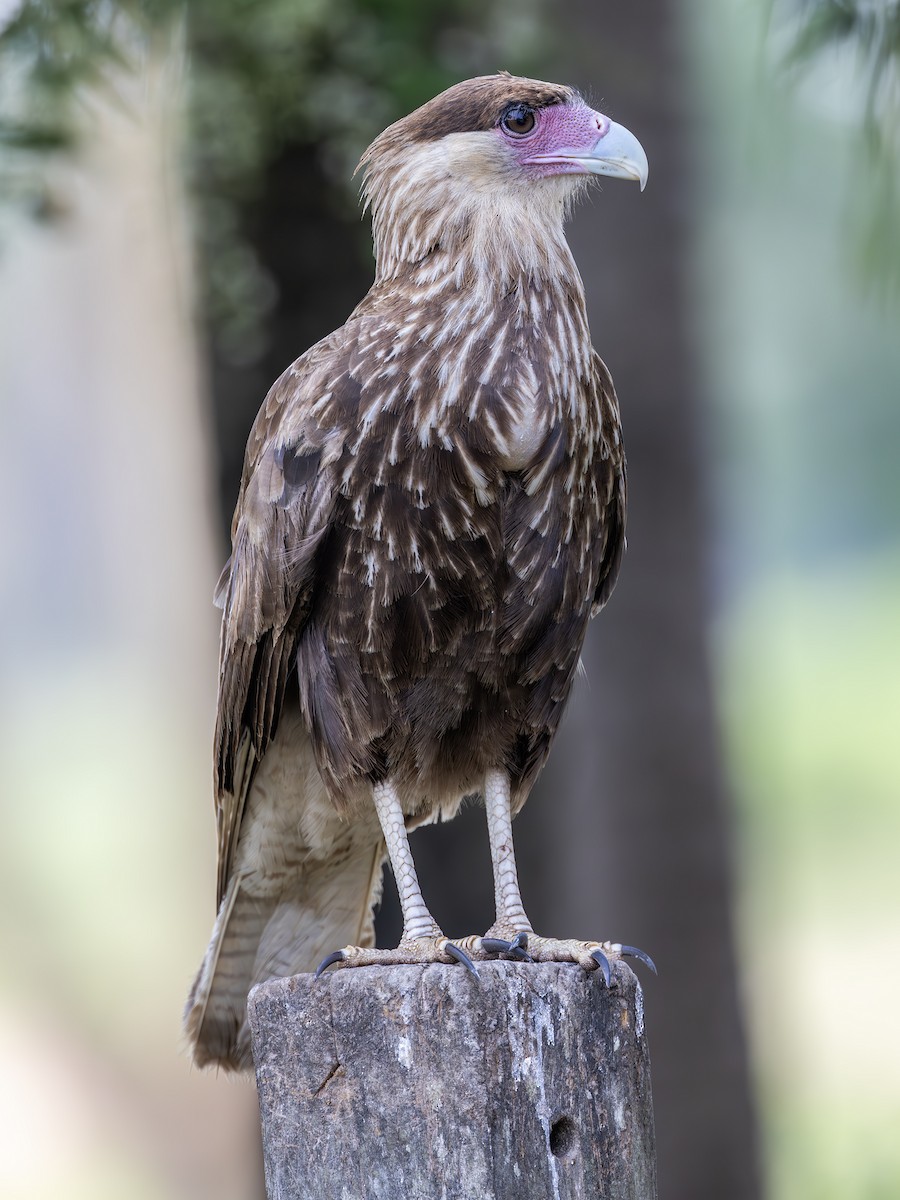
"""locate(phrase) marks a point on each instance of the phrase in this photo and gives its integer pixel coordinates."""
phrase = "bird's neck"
(481, 255)
(508, 236)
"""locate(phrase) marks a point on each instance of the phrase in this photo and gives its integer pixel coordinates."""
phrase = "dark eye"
(518, 120)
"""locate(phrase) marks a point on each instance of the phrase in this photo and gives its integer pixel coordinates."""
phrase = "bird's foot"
(504, 941)
(592, 956)
(410, 952)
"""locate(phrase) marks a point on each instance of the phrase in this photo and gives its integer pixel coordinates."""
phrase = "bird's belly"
(445, 632)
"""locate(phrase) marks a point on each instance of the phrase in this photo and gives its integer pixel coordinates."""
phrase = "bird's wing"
(611, 486)
(282, 516)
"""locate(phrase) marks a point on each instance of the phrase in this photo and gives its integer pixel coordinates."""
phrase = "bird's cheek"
(478, 159)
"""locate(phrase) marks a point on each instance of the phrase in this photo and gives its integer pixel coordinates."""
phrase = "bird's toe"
(411, 951)
(601, 956)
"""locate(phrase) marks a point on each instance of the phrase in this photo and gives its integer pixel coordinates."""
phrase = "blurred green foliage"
(49, 51)
(264, 76)
(811, 694)
(874, 25)
(863, 36)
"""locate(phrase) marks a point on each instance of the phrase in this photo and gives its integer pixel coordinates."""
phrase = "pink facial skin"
(560, 127)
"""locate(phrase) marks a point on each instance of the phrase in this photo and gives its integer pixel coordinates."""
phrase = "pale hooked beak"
(616, 153)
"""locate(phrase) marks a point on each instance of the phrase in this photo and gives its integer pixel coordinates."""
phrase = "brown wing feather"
(281, 518)
(612, 487)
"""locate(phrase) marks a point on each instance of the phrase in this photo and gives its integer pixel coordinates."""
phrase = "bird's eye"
(519, 120)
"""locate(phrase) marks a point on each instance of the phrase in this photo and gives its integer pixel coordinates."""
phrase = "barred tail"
(258, 936)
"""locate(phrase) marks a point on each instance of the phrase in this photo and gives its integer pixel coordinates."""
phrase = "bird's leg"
(422, 939)
(511, 929)
(511, 934)
(507, 897)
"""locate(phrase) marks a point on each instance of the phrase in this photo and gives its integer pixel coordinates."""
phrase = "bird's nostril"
(602, 124)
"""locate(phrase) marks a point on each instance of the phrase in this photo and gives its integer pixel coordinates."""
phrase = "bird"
(432, 508)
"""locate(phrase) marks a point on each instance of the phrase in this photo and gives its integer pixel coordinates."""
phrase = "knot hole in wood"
(563, 1138)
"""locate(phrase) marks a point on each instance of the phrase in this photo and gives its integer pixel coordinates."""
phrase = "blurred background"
(178, 223)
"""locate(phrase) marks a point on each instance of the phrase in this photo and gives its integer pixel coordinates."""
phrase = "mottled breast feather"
(432, 604)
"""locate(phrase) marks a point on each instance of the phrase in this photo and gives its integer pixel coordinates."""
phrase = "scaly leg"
(511, 925)
(511, 934)
(422, 939)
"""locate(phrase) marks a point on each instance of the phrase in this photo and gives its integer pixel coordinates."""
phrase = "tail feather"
(258, 938)
(297, 882)
(214, 1014)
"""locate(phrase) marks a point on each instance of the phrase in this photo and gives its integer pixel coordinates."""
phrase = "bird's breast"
(522, 442)
(521, 423)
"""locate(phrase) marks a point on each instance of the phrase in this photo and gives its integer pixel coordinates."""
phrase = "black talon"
(633, 952)
(461, 957)
(333, 957)
(495, 946)
(515, 949)
(518, 948)
(603, 963)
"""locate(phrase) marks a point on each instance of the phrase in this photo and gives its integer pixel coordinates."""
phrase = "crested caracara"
(432, 508)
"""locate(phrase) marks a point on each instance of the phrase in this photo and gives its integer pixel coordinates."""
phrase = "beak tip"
(618, 152)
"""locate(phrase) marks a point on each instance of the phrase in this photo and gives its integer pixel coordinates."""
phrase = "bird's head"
(499, 154)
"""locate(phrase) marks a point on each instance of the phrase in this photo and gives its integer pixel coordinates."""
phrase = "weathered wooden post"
(422, 1083)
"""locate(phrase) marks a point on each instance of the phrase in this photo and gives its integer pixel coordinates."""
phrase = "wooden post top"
(423, 1083)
